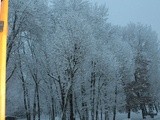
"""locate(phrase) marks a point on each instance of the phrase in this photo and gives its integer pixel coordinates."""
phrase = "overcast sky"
(122, 12)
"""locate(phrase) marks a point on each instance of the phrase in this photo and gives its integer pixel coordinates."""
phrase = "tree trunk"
(87, 112)
(106, 117)
(52, 101)
(38, 102)
(28, 116)
(28, 106)
(97, 118)
(25, 92)
(101, 110)
(92, 95)
(34, 106)
(98, 99)
(53, 111)
(64, 114)
(129, 114)
(62, 92)
(156, 108)
(72, 117)
(115, 106)
(114, 113)
(143, 111)
(66, 103)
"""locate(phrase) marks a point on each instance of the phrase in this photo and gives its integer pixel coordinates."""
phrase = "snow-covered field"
(134, 116)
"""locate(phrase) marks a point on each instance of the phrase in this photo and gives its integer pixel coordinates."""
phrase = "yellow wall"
(3, 42)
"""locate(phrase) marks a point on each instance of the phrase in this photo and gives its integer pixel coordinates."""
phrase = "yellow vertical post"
(3, 44)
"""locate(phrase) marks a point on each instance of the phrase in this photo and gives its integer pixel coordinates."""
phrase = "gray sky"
(122, 12)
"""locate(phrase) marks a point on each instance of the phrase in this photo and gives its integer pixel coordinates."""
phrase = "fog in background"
(122, 12)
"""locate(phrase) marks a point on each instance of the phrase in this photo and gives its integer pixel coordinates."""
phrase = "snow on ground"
(136, 116)
(120, 116)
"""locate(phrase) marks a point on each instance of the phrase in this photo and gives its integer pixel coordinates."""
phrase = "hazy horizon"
(122, 12)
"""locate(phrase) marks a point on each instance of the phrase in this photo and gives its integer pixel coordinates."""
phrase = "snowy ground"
(134, 116)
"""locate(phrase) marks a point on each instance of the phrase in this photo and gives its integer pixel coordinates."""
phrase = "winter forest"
(65, 61)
